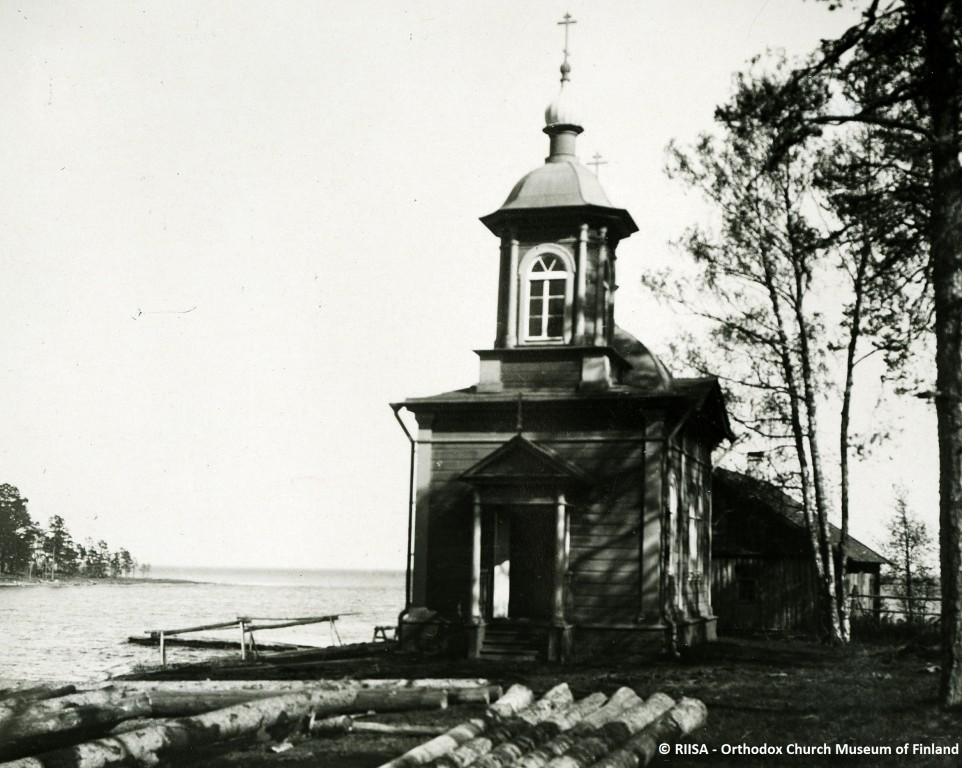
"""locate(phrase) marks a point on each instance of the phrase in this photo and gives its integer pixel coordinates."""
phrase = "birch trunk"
(165, 741)
(185, 704)
(39, 729)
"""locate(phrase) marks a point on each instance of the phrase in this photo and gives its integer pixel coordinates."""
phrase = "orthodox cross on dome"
(567, 21)
(596, 161)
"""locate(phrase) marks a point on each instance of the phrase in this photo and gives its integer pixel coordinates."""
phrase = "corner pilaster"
(581, 285)
(419, 576)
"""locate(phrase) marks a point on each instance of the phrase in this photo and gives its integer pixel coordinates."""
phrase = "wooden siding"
(604, 527)
(776, 594)
(751, 593)
(522, 375)
(605, 534)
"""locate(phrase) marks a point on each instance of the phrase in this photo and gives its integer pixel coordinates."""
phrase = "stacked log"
(17, 696)
(620, 700)
(686, 716)
(515, 699)
(341, 724)
(29, 726)
(593, 746)
(150, 744)
(54, 727)
(553, 732)
(185, 698)
(361, 700)
(460, 691)
(527, 720)
(530, 739)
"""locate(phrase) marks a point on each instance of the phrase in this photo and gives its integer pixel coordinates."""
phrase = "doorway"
(520, 558)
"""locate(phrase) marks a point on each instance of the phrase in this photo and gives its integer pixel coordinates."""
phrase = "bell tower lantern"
(559, 235)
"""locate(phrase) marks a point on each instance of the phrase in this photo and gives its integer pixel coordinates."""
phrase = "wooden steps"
(513, 642)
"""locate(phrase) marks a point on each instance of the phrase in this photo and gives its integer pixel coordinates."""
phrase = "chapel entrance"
(520, 559)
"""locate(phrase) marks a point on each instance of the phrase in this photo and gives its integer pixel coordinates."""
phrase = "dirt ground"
(774, 692)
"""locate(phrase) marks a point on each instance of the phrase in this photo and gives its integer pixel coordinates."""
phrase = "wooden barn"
(561, 505)
(763, 577)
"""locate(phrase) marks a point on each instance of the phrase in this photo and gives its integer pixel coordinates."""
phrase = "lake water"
(77, 633)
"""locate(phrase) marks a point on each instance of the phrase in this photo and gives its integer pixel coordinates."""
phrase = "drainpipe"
(407, 555)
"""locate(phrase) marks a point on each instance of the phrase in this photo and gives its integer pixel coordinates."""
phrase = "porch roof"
(521, 461)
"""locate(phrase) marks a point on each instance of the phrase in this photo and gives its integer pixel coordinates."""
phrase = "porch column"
(560, 561)
(476, 560)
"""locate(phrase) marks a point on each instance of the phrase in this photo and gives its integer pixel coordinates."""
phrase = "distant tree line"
(29, 549)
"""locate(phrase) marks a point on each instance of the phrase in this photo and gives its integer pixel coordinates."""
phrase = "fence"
(879, 606)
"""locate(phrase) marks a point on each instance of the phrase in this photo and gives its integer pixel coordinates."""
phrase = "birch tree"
(804, 274)
(899, 69)
(755, 287)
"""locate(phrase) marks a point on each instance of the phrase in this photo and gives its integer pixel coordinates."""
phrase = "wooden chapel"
(561, 506)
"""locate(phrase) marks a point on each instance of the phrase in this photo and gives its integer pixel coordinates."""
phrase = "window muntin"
(546, 298)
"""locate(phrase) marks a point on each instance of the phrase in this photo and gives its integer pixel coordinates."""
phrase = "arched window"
(546, 298)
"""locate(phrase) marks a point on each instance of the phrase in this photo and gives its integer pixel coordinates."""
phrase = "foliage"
(909, 547)
(29, 550)
(898, 71)
(867, 627)
(16, 531)
(794, 287)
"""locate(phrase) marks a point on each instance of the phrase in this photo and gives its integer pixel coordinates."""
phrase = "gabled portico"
(522, 501)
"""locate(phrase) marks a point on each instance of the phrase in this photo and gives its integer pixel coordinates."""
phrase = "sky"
(233, 232)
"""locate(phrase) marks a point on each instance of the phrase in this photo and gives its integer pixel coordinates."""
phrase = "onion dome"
(563, 112)
(562, 186)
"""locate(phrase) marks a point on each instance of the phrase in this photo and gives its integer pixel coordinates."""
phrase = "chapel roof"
(646, 370)
(562, 185)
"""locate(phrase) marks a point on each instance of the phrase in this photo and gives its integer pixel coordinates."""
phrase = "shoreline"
(82, 581)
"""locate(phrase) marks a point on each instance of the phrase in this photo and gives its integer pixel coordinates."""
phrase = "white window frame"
(524, 294)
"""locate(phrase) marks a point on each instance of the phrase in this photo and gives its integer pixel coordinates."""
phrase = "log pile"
(121, 723)
(624, 731)
(143, 723)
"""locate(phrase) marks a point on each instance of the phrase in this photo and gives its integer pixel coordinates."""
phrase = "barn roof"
(769, 498)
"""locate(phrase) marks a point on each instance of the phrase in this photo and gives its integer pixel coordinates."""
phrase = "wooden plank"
(621, 542)
(627, 575)
(581, 557)
(626, 591)
(608, 528)
(199, 628)
(606, 601)
(290, 622)
(624, 567)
